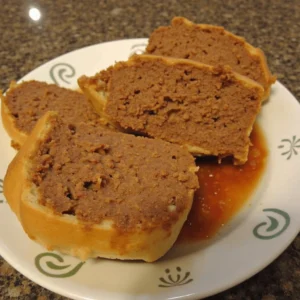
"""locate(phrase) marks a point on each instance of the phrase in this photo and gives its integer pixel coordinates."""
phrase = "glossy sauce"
(224, 189)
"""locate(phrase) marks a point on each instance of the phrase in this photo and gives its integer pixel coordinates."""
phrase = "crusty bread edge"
(98, 98)
(70, 236)
(98, 101)
(9, 122)
(253, 51)
(66, 233)
(257, 52)
(13, 188)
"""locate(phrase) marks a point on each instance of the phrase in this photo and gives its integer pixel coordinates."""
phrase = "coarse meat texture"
(209, 110)
(98, 175)
(30, 100)
(212, 45)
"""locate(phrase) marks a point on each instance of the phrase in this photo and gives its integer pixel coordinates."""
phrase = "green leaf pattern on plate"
(279, 221)
(290, 146)
(54, 269)
(1, 192)
(61, 72)
(170, 280)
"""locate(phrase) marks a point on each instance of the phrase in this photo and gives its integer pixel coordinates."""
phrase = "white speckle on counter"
(116, 11)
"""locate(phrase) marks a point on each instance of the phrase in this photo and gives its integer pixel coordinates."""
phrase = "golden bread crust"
(9, 123)
(18, 168)
(256, 53)
(24, 103)
(66, 233)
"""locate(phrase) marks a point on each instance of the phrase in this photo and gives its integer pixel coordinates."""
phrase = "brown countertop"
(65, 25)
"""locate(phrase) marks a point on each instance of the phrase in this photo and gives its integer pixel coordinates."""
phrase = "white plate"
(252, 240)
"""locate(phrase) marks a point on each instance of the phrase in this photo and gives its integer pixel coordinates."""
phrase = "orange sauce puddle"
(224, 189)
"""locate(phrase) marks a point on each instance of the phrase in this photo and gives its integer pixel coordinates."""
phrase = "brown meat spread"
(98, 175)
(30, 100)
(207, 44)
(182, 103)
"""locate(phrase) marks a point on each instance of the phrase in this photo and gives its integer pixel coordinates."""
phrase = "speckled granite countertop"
(68, 25)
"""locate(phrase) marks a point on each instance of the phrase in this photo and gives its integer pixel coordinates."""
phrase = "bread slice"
(209, 110)
(211, 45)
(24, 103)
(89, 192)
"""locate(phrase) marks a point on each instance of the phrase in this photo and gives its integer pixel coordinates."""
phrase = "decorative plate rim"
(183, 278)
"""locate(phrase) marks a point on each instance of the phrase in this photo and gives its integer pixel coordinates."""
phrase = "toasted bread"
(89, 192)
